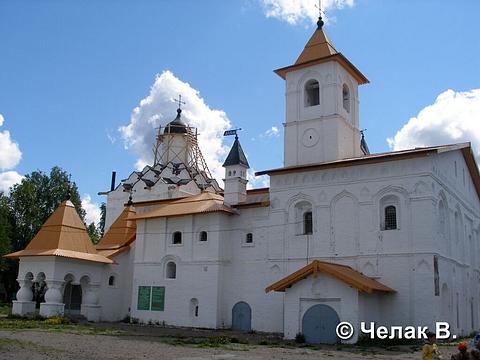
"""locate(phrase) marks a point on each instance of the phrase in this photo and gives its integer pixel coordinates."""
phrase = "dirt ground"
(145, 343)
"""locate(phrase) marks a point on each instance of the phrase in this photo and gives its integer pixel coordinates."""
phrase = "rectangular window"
(436, 276)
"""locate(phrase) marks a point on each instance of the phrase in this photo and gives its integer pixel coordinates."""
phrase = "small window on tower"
(111, 281)
(203, 236)
(346, 97)
(249, 238)
(312, 93)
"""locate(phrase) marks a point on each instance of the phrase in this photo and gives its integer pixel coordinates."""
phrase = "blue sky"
(72, 72)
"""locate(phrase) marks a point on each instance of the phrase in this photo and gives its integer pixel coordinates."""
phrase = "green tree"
(103, 214)
(24, 210)
(34, 199)
(94, 233)
(5, 233)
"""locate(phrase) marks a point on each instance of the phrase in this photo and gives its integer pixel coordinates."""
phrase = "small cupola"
(177, 126)
(236, 156)
(236, 166)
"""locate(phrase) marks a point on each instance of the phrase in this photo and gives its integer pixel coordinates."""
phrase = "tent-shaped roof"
(320, 49)
(341, 272)
(205, 202)
(236, 156)
(120, 234)
(63, 234)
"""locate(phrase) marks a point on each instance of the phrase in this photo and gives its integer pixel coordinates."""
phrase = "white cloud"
(10, 156)
(92, 210)
(111, 137)
(158, 108)
(255, 182)
(453, 117)
(8, 179)
(273, 131)
(10, 153)
(297, 11)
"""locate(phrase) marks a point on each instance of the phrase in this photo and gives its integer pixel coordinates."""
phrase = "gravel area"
(37, 345)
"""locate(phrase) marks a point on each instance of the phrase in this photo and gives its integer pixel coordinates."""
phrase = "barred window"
(390, 217)
(307, 223)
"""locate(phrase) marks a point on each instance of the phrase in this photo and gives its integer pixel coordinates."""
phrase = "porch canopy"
(343, 273)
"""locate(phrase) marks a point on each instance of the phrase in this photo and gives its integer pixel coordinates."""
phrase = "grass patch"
(5, 309)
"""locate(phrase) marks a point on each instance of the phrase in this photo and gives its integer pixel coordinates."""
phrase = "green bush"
(300, 338)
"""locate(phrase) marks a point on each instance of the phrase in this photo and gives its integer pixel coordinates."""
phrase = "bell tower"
(321, 91)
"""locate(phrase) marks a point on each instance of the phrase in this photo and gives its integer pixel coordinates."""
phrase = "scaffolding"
(164, 151)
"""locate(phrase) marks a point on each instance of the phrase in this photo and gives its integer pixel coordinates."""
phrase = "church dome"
(177, 126)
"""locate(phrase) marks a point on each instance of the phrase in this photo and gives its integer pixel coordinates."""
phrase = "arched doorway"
(72, 296)
(319, 325)
(242, 317)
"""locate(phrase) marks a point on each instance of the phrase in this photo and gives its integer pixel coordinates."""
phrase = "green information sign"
(144, 297)
(158, 298)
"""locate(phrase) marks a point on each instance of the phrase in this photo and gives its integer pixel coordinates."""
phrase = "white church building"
(340, 234)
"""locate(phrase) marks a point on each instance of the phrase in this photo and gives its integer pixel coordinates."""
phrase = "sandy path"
(37, 345)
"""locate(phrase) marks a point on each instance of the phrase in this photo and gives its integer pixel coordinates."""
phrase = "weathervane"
(179, 101)
(232, 132)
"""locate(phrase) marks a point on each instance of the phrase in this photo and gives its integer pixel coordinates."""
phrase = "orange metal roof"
(121, 233)
(109, 253)
(320, 49)
(255, 198)
(63, 234)
(205, 202)
(341, 272)
(465, 148)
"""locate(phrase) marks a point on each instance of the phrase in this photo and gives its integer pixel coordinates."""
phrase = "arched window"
(303, 218)
(249, 238)
(346, 97)
(177, 238)
(307, 223)
(111, 280)
(203, 236)
(312, 93)
(390, 217)
(171, 270)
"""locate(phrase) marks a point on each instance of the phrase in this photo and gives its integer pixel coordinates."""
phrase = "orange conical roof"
(121, 233)
(319, 46)
(319, 49)
(63, 234)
